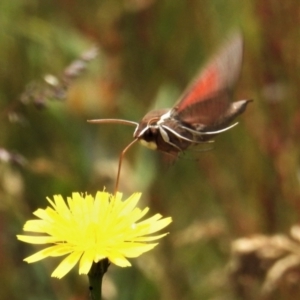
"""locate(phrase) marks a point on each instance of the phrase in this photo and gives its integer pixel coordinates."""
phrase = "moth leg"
(165, 136)
(183, 137)
(196, 132)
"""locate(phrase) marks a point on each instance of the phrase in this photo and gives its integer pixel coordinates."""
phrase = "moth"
(203, 111)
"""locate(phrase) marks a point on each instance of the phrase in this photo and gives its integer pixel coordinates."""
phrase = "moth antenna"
(120, 164)
(114, 121)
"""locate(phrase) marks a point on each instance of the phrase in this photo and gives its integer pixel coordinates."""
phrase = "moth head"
(148, 126)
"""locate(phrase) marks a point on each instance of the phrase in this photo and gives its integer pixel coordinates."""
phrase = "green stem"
(95, 278)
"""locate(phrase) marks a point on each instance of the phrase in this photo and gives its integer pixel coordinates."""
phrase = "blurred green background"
(226, 205)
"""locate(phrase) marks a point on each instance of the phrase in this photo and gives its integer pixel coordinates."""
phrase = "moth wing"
(208, 96)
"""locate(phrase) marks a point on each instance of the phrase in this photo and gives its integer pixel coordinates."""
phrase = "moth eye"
(149, 134)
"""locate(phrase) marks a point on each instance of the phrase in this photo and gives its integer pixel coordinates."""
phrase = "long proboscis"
(117, 121)
(120, 164)
(114, 121)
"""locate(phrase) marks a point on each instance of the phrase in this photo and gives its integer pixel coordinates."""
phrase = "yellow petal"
(135, 249)
(60, 205)
(41, 254)
(130, 203)
(35, 226)
(149, 238)
(45, 214)
(37, 239)
(119, 260)
(67, 264)
(86, 262)
(155, 224)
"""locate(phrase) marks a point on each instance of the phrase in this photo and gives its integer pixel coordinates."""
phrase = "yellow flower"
(90, 229)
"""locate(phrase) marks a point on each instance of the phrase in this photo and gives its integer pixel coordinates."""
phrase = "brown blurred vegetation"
(233, 208)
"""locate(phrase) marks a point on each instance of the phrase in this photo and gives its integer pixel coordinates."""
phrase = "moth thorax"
(164, 117)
